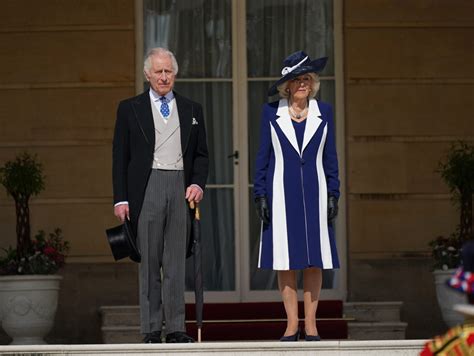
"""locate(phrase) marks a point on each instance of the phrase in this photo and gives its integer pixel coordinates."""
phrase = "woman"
(296, 189)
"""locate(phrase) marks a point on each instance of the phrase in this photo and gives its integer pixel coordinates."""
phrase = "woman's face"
(300, 87)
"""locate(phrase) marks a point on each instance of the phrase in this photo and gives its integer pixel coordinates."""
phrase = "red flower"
(48, 250)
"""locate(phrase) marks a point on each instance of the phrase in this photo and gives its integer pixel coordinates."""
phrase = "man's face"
(161, 75)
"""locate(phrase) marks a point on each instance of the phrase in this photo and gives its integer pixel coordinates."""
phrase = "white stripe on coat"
(284, 121)
(326, 255)
(281, 259)
(312, 123)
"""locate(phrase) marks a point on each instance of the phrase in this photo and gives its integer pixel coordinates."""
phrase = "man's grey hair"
(159, 51)
(282, 88)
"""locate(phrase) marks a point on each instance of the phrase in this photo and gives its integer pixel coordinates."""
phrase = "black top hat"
(123, 242)
(296, 64)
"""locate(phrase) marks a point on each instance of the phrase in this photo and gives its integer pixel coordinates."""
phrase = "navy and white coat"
(296, 184)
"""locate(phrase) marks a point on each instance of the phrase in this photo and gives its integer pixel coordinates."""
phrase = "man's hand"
(121, 212)
(194, 193)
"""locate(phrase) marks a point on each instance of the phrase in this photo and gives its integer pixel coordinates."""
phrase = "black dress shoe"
(153, 338)
(179, 337)
(312, 338)
(293, 337)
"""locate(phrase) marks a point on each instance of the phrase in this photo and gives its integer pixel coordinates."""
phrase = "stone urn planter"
(448, 297)
(28, 305)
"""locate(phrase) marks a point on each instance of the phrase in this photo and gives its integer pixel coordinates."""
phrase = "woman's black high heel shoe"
(312, 337)
(293, 337)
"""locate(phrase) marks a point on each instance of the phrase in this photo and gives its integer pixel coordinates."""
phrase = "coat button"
(302, 161)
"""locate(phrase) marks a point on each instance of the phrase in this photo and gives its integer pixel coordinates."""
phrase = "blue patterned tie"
(164, 109)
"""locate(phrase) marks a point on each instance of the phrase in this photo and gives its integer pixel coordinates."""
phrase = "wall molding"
(410, 24)
(66, 85)
(409, 81)
(65, 28)
(395, 255)
(408, 139)
(398, 196)
(59, 143)
(61, 201)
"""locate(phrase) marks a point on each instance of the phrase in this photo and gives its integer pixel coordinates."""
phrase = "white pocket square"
(194, 121)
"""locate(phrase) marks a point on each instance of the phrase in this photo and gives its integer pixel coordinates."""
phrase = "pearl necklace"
(301, 115)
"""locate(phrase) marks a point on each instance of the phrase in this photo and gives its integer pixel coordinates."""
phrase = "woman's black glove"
(332, 208)
(262, 209)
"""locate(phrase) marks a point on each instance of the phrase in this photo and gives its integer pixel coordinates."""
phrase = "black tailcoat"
(134, 144)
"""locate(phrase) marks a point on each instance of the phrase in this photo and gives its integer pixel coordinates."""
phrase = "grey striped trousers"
(162, 235)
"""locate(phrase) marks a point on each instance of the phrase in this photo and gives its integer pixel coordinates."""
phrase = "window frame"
(240, 80)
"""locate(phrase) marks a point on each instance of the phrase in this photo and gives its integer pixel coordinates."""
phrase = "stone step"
(123, 315)
(232, 330)
(261, 348)
(356, 331)
(121, 334)
(129, 315)
(365, 321)
(227, 321)
(373, 311)
(376, 330)
(375, 320)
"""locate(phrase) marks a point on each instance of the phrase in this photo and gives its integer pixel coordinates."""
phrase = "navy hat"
(296, 64)
(123, 242)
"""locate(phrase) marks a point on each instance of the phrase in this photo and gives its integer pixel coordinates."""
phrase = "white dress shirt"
(155, 99)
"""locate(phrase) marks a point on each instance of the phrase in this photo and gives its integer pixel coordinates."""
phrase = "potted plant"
(457, 171)
(28, 282)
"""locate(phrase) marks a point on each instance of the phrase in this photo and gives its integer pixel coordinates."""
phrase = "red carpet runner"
(262, 321)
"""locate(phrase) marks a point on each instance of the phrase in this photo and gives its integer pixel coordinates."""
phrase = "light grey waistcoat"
(168, 155)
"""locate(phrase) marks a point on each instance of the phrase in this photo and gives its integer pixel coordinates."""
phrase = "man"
(459, 340)
(160, 163)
